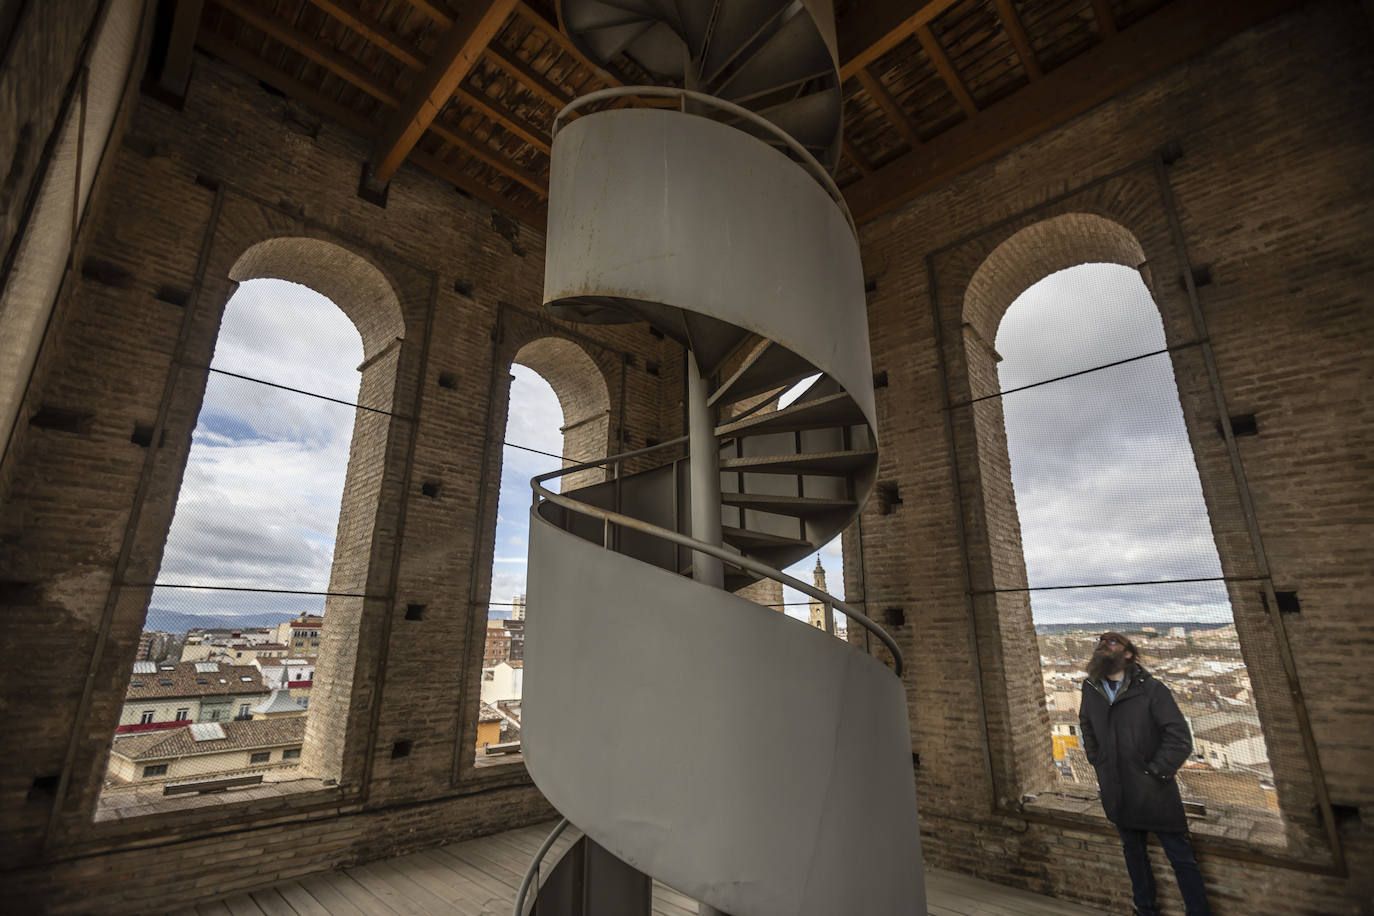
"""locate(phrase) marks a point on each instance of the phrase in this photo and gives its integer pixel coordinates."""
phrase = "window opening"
(534, 419)
(1115, 531)
(246, 566)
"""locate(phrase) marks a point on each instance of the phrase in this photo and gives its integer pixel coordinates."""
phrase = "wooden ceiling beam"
(945, 68)
(509, 120)
(891, 110)
(181, 42)
(289, 86)
(870, 31)
(859, 160)
(312, 49)
(1167, 37)
(338, 65)
(458, 52)
(293, 88)
(480, 151)
(535, 218)
(521, 71)
(434, 12)
(1017, 33)
(555, 34)
(353, 16)
(1106, 22)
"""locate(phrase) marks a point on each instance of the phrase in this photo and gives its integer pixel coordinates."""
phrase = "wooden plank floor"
(480, 878)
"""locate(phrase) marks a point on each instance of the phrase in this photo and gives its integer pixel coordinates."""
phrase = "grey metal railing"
(806, 159)
(611, 519)
(532, 873)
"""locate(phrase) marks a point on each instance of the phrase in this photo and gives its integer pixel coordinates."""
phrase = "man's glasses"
(1110, 641)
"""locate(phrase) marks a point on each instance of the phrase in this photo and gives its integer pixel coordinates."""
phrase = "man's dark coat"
(1136, 744)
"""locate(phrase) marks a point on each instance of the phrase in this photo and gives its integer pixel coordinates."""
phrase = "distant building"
(517, 607)
(516, 628)
(278, 705)
(173, 695)
(488, 726)
(498, 644)
(302, 634)
(207, 751)
(154, 645)
(237, 652)
(504, 681)
(817, 616)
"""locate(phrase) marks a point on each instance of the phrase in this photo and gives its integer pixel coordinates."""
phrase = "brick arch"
(364, 293)
(1019, 712)
(583, 395)
(348, 280)
(1038, 250)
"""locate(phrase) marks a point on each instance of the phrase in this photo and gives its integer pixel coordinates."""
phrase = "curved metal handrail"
(808, 161)
(720, 553)
(534, 867)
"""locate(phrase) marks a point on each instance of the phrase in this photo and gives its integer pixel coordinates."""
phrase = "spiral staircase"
(738, 755)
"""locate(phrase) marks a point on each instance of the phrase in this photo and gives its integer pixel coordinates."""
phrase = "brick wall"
(1273, 193)
(184, 197)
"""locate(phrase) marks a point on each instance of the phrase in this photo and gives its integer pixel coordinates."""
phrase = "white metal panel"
(654, 206)
(764, 773)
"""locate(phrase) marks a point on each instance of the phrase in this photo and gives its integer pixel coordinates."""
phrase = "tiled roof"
(186, 681)
(257, 733)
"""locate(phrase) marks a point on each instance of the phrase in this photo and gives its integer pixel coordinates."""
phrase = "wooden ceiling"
(467, 88)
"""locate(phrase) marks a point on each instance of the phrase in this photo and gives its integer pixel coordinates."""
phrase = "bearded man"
(1136, 739)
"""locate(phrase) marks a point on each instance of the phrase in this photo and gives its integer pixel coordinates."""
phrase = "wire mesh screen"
(219, 695)
(1118, 534)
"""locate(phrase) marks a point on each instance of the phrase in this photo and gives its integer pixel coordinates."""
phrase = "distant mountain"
(1127, 627)
(177, 622)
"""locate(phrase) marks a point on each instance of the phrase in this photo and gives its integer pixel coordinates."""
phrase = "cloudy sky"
(1105, 482)
(259, 503)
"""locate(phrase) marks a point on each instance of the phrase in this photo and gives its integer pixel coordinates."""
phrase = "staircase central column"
(704, 474)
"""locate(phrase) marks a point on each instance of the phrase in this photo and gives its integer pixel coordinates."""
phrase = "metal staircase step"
(831, 410)
(830, 464)
(794, 50)
(796, 506)
(770, 366)
(608, 41)
(589, 15)
(746, 540)
(811, 119)
(738, 24)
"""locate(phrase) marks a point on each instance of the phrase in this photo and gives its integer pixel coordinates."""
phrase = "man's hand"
(1153, 775)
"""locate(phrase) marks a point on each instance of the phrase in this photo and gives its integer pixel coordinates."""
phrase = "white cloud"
(1106, 486)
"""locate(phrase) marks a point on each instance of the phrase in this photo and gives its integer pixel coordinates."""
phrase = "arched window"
(250, 636)
(1108, 492)
(558, 414)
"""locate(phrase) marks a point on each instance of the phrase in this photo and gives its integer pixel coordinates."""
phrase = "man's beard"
(1104, 663)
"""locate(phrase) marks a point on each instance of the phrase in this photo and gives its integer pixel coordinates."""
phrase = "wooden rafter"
(1163, 39)
(1017, 33)
(945, 68)
(260, 70)
(293, 88)
(551, 31)
(176, 64)
(434, 12)
(509, 120)
(458, 52)
(312, 49)
(1106, 22)
(871, 31)
(478, 150)
(416, 59)
(345, 69)
(859, 160)
(356, 19)
(521, 71)
(891, 110)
